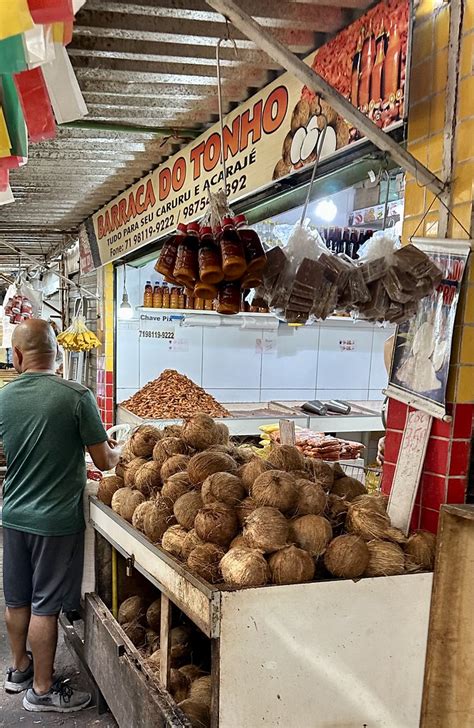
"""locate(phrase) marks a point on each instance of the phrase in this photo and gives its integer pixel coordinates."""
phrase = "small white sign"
(408, 471)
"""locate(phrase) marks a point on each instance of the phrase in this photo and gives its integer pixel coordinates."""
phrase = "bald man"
(45, 423)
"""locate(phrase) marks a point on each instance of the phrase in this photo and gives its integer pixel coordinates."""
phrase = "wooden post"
(287, 432)
(448, 693)
(276, 50)
(165, 626)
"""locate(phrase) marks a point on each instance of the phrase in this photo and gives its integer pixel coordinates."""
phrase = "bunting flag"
(66, 97)
(11, 106)
(62, 33)
(77, 5)
(36, 105)
(51, 11)
(4, 180)
(6, 197)
(5, 144)
(12, 55)
(15, 18)
(39, 45)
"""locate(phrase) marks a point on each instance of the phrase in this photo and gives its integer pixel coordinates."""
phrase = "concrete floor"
(12, 714)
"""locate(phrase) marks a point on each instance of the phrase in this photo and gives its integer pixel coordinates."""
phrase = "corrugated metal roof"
(149, 64)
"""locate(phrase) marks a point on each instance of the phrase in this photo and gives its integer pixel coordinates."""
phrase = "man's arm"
(105, 455)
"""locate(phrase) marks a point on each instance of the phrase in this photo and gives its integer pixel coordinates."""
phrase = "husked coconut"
(291, 565)
(172, 431)
(139, 514)
(311, 498)
(148, 478)
(131, 470)
(191, 540)
(107, 487)
(143, 440)
(135, 633)
(266, 529)
(198, 713)
(120, 469)
(175, 464)
(371, 523)
(276, 489)
(251, 470)
(385, 559)
(201, 690)
(186, 508)
(153, 615)
(286, 457)
(347, 557)
(180, 635)
(176, 485)
(130, 502)
(336, 510)
(158, 520)
(311, 533)
(420, 550)
(179, 685)
(204, 560)
(348, 488)
(200, 432)
(204, 464)
(244, 509)
(222, 433)
(243, 567)
(167, 447)
(224, 487)
(192, 672)
(239, 542)
(321, 472)
(216, 523)
(127, 453)
(377, 500)
(131, 610)
(173, 539)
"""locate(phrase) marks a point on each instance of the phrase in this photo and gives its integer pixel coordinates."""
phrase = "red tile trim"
(429, 520)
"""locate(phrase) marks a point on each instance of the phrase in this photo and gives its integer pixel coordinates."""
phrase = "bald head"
(34, 345)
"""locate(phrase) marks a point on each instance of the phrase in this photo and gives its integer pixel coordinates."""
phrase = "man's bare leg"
(43, 638)
(18, 620)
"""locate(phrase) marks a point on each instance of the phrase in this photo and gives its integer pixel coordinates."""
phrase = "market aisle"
(12, 714)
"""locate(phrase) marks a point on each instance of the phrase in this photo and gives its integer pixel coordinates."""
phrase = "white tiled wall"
(334, 359)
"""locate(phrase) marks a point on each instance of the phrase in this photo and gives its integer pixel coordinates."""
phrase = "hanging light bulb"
(126, 309)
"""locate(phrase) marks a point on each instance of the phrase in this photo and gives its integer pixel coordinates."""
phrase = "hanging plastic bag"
(6, 197)
(36, 105)
(15, 18)
(12, 55)
(66, 97)
(10, 103)
(5, 144)
(51, 11)
(39, 46)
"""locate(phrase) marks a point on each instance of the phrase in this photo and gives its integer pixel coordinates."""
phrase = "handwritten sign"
(408, 471)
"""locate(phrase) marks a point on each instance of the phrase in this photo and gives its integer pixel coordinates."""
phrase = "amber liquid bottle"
(367, 63)
(377, 71)
(355, 73)
(148, 295)
(391, 71)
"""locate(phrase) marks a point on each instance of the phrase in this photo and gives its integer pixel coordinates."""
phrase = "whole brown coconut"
(127, 453)
(321, 472)
(186, 508)
(291, 565)
(286, 457)
(172, 431)
(311, 533)
(192, 672)
(130, 502)
(131, 610)
(222, 433)
(175, 464)
(148, 478)
(198, 713)
(144, 440)
(376, 500)
(118, 499)
(348, 488)
(120, 469)
(244, 568)
(173, 539)
(338, 471)
(167, 447)
(153, 615)
(158, 520)
(371, 523)
(107, 487)
(266, 529)
(311, 498)
(200, 432)
(276, 489)
(179, 685)
(347, 557)
(217, 523)
(204, 464)
(176, 485)
(239, 542)
(250, 471)
(201, 690)
(191, 540)
(131, 470)
(139, 514)
(224, 487)
(385, 559)
(135, 633)
(420, 550)
(179, 655)
(244, 509)
(204, 560)
(336, 509)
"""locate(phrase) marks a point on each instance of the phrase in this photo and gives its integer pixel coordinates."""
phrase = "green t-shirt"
(45, 424)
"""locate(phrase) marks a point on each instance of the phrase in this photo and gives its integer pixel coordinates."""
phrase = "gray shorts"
(44, 572)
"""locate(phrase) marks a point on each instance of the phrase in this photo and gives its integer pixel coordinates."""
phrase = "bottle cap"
(240, 220)
(227, 223)
(193, 228)
(205, 232)
(182, 228)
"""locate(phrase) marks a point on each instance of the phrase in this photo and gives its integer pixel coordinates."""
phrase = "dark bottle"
(356, 73)
(377, 70)
(167, 260)
(253, 248)
(346, 242)
(209, 256)
(367, 63)
(234, 264)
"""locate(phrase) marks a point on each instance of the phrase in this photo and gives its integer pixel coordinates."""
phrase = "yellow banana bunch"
(77, 337)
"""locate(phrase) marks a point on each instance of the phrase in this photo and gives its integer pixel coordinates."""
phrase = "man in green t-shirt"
(45, 423)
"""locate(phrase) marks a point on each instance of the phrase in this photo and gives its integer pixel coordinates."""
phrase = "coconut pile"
(190, 685)
(247, 522)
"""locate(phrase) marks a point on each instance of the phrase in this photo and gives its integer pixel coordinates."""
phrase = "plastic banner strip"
(6, 197)
(12, 55)
(4, 179)
(63, 88)
(15, 18)
(39, 45)
(13, 116)
(77, 5)
(51, 11)
(36, 105)
(5, 143)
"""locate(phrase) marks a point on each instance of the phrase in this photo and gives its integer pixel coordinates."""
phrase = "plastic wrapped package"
(400, 285)
(36, 106)
(51, 11)
(63, 88)
(379, 303)
(39, 45)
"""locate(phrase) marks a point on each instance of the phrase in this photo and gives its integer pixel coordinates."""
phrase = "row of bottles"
(163, 296)
(376, 68)
(344, 240)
